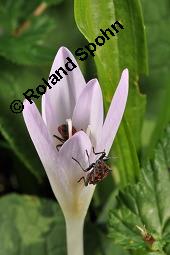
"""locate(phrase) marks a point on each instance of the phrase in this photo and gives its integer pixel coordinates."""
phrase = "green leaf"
(12, 126)
(111, 58)
(156, 16)
(16, 10)
(109, 248)
(53, 2)
(24, 37)
(126, 49)
(28, 49)
(146, 204)
(29, 225)
(127, 162)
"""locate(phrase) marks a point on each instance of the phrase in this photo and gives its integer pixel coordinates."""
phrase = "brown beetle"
(63, 130)
(99, 169)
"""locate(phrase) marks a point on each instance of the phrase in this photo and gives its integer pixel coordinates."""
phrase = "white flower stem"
(74, 230)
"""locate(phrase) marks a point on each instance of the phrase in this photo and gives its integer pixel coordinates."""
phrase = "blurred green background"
(26, 58)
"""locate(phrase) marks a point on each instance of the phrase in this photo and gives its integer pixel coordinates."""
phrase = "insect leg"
(90, 167)
(97, 153)
(87, 169)
(103, 153)
(59, 145)
(60, 139)
(85, 182)
(106, 159)
(88, 157)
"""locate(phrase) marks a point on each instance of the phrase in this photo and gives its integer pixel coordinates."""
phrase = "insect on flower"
(75, 95)
(99, 169)
(64, 132)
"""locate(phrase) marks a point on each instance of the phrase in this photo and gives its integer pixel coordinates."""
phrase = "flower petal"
(75, 147)
(45, 147)
(115, 113)
(78, 196)
(58, 102)
(89, 110)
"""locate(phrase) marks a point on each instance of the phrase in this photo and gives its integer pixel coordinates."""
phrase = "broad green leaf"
(147, 205)
(12, 85)
(125, 49)
(29, 225)
(156, 16)
(115, 54)
(127, 160)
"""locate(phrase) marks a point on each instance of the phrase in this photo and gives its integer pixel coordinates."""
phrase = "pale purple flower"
(80, 105)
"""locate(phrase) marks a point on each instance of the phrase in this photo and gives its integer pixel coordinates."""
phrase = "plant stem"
(26, 24)
(74, 229)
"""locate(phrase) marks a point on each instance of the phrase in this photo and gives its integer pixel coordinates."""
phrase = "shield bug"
(64, 132)
(99, 169)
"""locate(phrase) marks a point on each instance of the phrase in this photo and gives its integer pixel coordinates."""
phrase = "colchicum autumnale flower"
(71, 101)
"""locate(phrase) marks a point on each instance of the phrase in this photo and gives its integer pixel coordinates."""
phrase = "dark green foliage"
(31, 226)
(24, 36)
(157, 84)
(147, 205)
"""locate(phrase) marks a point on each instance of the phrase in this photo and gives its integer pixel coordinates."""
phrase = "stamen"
(88, 130)
(70, 126)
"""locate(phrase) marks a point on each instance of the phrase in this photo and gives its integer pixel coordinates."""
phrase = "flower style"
(79, 105)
